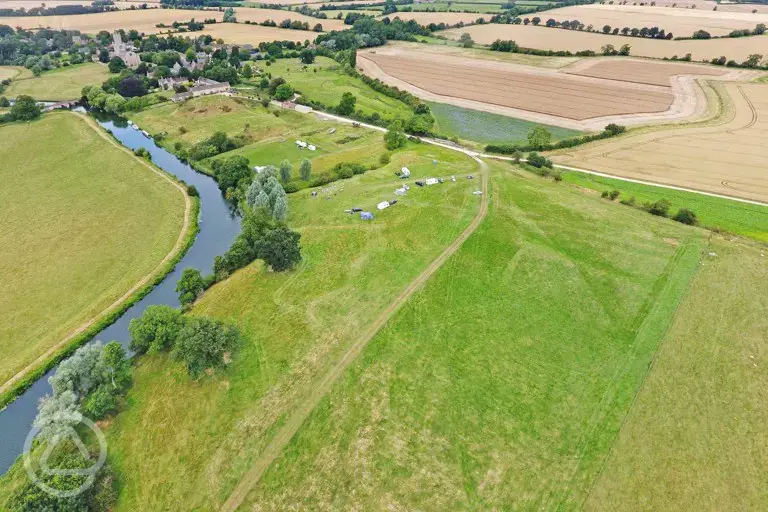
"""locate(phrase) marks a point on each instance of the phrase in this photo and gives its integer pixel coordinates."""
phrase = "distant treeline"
(95, 7)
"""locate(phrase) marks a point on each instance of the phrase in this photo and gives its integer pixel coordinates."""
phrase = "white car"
(382, 205)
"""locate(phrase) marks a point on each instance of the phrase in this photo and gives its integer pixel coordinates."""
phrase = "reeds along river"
(219, 226)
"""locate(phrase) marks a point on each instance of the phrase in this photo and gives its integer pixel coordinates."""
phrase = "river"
(219, 226)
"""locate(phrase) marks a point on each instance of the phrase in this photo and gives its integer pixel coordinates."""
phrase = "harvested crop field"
(709, 5)
(259, 15)
(545, 38)
(640, 71)
(513, 86)
(240, 33)
(449, 18)
(730, 158)
(142, 20)
(681, 22)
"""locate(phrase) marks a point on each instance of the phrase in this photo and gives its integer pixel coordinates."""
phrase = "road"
(297, 418)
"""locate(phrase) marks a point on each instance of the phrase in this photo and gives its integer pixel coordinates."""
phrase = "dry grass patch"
(640, 71)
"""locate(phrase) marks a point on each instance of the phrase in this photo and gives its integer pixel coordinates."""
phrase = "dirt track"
(729, 159)
(295, 420)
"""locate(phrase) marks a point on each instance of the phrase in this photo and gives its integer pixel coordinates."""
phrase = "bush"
(290, 188)
(686, 216)
(614, 194)
(539, 161)
(659, 208)
(192, 191)
(385, 158)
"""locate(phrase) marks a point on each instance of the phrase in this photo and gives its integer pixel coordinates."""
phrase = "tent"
(366, 216)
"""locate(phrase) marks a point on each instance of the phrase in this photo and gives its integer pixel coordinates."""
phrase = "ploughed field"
(730, 158)
(521, 88)
(680, 22)
(545, 38)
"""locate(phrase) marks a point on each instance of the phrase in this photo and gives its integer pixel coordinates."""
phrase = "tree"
(395, 137)
(353, 57)
(4, 103)
(347, 104)
(25, 109)
(283, 92)
(132, 86)
(247, 71)
(116, 65)
(37, 70)
(539, 137)
(466, 40)
(606, 29)
(205, 343)
(104, 55)
(57, 414)
(421, 124)
(157, 329)
(305, 169)
(280, 208)
(285, 171)
(190, 286)
(686, 216)
(279, 248)
(624, 50)
(231, 171)
(229, 15)
(307, 56)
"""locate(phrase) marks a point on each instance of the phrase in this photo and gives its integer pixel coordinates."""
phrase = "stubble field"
(540, 91)
(143, 20)
(680, 22)
(449, 18)
(240, 33)
(730, 158)
(546, 38)
(259, 15)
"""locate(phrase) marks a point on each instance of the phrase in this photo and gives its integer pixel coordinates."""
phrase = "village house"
(203, 87)
(170, 83)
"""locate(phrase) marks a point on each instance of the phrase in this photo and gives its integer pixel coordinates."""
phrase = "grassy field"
(272, 137)
(346, 144)
(82, 223)
(295, 323)
(324, 82)
(502, 384)
(695, 436)
(739, 218)
(59, 84)
(9, 72)
(487, 128)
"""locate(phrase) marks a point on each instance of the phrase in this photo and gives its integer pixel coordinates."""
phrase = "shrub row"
(610, 130)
